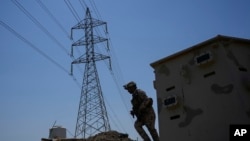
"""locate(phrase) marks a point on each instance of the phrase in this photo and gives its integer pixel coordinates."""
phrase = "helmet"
(130, 84)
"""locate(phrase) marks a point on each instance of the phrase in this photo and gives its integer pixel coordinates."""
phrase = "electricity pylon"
(92, 115)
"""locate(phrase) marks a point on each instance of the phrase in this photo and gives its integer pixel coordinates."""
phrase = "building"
(204, 89)
(57, 132)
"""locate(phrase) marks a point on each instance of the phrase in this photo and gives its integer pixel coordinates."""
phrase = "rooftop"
(218, 38)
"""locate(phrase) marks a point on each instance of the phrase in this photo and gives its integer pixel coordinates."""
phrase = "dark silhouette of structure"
(92, 115)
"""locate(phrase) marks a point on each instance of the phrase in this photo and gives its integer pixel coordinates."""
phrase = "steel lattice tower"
(92, 115)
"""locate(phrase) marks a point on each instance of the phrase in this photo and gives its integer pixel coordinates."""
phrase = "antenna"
(50, 131)
(92, 115)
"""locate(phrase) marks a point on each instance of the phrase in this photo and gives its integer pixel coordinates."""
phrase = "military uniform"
(143, 110)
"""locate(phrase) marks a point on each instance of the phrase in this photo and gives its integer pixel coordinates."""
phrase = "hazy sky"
(35, 86)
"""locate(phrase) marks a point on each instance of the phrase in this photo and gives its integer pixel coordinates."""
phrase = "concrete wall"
(210, 96)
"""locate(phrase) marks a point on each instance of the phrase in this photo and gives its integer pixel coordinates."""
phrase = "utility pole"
(92, 115)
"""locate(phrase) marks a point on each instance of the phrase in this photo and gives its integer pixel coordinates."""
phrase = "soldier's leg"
(150, 124)
(153, 132)
(140, 130)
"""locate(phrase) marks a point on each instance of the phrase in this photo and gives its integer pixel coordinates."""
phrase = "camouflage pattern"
(143, 110)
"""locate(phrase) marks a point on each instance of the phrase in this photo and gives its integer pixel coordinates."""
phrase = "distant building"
(203, 89)
(57, 132)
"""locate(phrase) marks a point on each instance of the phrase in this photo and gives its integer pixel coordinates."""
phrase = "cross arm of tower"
(83, 41)
(87, 23)
(84, 59)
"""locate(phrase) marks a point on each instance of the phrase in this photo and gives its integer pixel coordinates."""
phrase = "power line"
(72, 10)
(43, 6)
(32, 46)
(118, 84)
(38, 50)
(52, 16)
(83, 4)
(35, 21)
(110, 107)
(61, 27)
(95, 9)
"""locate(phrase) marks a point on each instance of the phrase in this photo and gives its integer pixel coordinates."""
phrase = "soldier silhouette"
(143, 110)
